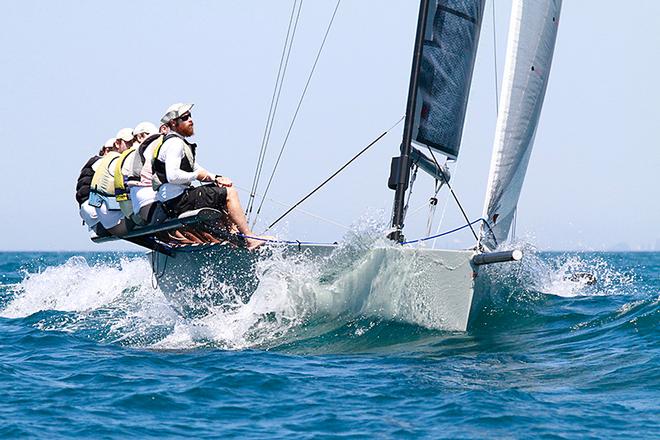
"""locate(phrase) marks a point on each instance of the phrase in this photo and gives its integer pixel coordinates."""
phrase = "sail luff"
(530, 48)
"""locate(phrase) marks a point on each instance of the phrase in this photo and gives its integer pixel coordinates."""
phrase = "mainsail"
(449, 50)
(443, 61)
(532, 36)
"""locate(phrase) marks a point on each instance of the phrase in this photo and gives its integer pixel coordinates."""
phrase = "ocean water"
(91, 349)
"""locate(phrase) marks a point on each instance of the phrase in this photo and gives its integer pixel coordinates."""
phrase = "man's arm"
(204, 176)
(172, 151)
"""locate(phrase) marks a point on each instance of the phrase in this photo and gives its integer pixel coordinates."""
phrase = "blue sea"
(89, 348)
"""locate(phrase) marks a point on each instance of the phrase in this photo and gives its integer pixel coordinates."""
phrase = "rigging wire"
(419, 208)
(299, 242)
(433, 203)
(454, 195)
(444, 207)
(192, 248)
(335, 173)
(300, 210)
(279, 82)
(433, 237)
(295, 115)
(410, 189)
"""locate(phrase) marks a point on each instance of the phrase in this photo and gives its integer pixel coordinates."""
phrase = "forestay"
(532, 36)
(448, 54)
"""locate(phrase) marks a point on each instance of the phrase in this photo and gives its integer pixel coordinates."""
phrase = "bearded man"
(175, 168)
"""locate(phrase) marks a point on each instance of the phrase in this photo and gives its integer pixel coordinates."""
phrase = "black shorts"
(205, 196)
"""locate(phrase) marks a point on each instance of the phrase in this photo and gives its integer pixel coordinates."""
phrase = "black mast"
(400, 168)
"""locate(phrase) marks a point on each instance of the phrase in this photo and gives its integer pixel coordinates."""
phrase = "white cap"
(145, 127)
(125, 134)
(109, 143)
(175, 111)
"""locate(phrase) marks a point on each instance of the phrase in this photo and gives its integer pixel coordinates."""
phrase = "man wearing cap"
(102, 187)
(142, 194)
(143, 130)
(124, 139)
(108, 146)
(175, 168)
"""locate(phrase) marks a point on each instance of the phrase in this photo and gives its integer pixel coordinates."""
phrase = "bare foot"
(254, 243)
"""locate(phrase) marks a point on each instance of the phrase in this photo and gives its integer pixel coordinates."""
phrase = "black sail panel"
(448, 54)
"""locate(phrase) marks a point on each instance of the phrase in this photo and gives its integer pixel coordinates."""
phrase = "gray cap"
(175, 111)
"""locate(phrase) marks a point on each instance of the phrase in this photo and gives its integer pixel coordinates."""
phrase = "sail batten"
(530, 48)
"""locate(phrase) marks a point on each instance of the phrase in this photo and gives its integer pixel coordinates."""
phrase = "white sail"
(532, 36)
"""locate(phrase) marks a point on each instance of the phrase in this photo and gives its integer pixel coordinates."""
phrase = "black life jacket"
(158, 165)
(85, 180)
(140, 158)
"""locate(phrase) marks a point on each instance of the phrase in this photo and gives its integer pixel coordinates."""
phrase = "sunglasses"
(185, 117)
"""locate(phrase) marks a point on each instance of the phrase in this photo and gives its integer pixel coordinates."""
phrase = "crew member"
(102, 188)
(87, 212)
(130, 194)
(137, 200)
(175, 168)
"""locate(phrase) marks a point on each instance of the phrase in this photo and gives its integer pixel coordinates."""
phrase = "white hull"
(434, 288)
(427, 287)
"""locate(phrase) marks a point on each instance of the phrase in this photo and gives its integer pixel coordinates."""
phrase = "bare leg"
(237, 217)
(179, 237)
(200, 237)
(192, 235)
(208, 237)
(235, 212)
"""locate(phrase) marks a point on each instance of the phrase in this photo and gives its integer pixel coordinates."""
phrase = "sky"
(75, 72)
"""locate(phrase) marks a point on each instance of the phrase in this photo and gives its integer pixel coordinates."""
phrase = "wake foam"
(565, 275)
(75, 286)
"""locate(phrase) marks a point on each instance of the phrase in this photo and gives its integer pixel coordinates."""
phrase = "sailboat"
(442, 287)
